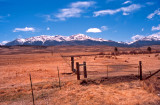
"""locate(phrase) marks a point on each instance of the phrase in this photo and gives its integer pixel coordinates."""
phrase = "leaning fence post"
(78, 73)
(85, 70)
(31, 88)
(59, 78)
(72, 64)
(140, 69)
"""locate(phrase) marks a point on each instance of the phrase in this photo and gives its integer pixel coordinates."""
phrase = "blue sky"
(118, 20)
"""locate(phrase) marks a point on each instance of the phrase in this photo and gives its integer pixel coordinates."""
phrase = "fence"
(96, 71)
(93, 70)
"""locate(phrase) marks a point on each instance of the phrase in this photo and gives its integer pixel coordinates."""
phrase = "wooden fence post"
(31, 88)
(107, 71)
(140, 69)
(59, 78)
(78, 73)
(72, 64)
(85, 70)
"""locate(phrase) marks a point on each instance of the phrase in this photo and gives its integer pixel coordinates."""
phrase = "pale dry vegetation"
(122, 86)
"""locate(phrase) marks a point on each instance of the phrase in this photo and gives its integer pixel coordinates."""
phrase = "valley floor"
(120, 86)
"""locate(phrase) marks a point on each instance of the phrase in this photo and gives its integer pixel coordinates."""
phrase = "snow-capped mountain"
(57, 38)
(81, 39)
(44, 38)
(3, 43)
(78, 39)
(150, 38)
(139, 40)
(155, 37)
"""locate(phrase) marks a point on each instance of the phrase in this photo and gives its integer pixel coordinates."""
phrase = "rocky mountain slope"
(81, 39)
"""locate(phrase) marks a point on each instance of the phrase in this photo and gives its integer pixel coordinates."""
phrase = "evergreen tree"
(149, 49)
(115, 50)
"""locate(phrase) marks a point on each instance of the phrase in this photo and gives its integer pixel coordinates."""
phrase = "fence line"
(116, 65)
(113, 69)
(153, 74)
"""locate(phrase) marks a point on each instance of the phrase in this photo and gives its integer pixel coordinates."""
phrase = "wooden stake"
(31, 88)
(85, 70)
(107, 71)
(78, 73)
(72, 64)
(138, 72)
(140, 69)
(59, 78)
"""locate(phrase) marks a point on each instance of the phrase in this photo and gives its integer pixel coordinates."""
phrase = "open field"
(122, 86)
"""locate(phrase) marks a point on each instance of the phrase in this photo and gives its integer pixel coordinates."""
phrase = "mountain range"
(81, 39)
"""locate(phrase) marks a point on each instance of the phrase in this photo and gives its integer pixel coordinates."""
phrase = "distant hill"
(81, 39)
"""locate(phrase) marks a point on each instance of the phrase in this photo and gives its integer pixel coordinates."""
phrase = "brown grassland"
(120, 87)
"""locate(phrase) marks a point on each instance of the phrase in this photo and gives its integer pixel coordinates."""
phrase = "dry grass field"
(120, 86)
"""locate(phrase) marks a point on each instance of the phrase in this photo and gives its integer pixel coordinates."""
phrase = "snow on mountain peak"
(79, 37)
(84, 37)
(155, 37)
(42, 38)
(3, 42)
(51, 40)
(152, 37)
(59, 38)
(21, 40)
